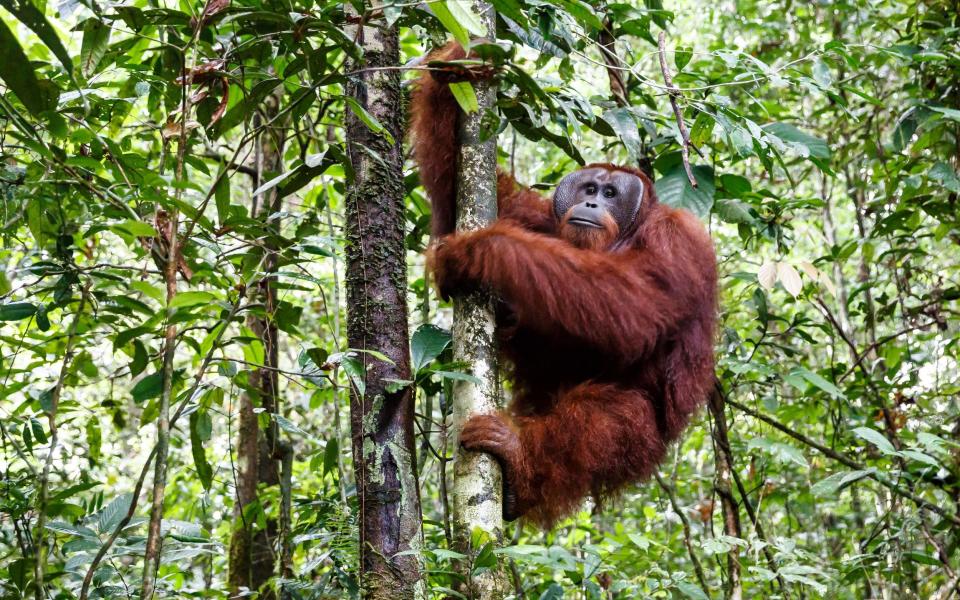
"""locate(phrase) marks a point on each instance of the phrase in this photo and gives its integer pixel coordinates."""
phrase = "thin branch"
(40, 538)
(846, 460)
(728, 504)
(610, 58)
(198, 379)
(674, 94)
(668, 488)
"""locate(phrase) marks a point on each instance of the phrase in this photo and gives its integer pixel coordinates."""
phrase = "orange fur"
(611, 343)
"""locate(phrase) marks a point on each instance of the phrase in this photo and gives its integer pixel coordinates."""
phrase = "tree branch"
(674, 94)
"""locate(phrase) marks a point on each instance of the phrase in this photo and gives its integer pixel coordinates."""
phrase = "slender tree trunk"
(253, 550)
(478, 482)
(728, 504)
(381, 409)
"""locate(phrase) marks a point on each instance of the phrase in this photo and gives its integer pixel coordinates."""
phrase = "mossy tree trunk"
(478, 483)
(381, 409)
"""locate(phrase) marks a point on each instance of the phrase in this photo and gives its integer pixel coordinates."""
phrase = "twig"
(611, 60)
(668, 488)
(674, 94)
(40, 538)
(846, 460)
(198, 379)
(724, 468)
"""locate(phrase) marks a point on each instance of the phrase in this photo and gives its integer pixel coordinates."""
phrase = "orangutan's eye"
(609, 191)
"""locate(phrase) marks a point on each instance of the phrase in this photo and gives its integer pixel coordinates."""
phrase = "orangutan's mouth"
(585, 223)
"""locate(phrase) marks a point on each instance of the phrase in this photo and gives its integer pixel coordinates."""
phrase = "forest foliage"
(825, 140)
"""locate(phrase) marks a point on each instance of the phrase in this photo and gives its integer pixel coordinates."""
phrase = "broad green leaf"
(148, 387)
(17, 72)
(582, 12)
(624, 124)
(681, 58)
(691, 591)
(289, 426)
(733, 211)
(674, 189)
(110, 515)
(950, 113)
(17, 311)
(465, 96)
(814, 146)
(32, 17)
(135, 228)
(272, 183)
(330, 453)
(426, 344)
(462, 11)
(96, 38)
(199, 433)
(450, 23)
(369, 120)
(831, 485)
(193, 298)
(876, 438)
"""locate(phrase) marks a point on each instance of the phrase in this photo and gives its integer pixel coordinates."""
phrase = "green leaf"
(43, 321)
(289, 426)
(33, 18)
(582, 12)
(458, 376)
(200, 427)
(272, 183)
(510, 9)
(681, 58)
(450, 23)
(465, 96)
(624, 124)
(17, 311)
(110, 515)
(221, 195)
(674, 189)
(369, 120)
(796, 138)
(809, 376)
(94, 439)
(876, 438)
(193, 298)
(950, 113)
(135, 228)
(821, 74)
(733, 211)
(691, 591)
(148, 387)
(427, 343)
(829, 486)
(330, 455)
(463, 13)
(96, 38)
(17, 72)
(702, 129)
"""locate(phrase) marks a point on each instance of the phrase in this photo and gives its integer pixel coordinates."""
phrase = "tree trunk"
(381, 409)
(253, 550)
(478, 482)
(723, 459)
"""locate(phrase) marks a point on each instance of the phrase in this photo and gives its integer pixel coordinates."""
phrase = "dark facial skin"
(597, 199)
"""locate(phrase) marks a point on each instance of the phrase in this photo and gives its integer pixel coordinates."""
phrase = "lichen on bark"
(381, 417)
(477, 489)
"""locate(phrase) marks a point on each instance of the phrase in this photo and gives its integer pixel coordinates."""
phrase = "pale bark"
(382, 412)
(478, 481)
